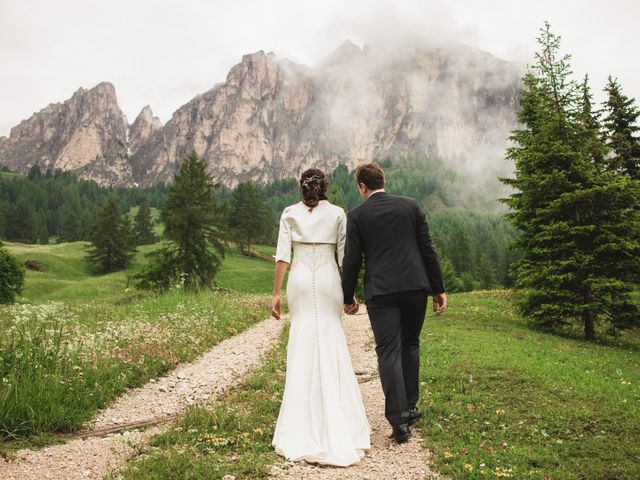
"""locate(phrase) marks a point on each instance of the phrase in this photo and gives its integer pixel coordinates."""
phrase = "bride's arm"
(283, 258)
(276, 302)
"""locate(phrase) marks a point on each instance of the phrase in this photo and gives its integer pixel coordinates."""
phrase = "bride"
(322, 418)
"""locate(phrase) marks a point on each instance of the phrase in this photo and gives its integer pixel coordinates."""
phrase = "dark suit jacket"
(392, 235)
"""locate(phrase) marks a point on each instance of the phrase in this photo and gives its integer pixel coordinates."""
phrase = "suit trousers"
(396, 320)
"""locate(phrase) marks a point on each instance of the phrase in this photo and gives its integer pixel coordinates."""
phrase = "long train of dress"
(322, 417)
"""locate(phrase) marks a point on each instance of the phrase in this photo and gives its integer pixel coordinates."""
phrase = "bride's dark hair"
(313, 187)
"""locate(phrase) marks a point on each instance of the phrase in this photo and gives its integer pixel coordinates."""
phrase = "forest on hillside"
(466, 223)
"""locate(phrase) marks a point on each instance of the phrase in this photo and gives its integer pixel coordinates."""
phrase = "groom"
(401, 269)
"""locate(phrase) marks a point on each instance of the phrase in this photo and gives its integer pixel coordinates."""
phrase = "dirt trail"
(386, 459)
(93, 457)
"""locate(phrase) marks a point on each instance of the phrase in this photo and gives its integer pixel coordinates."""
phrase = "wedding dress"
(322, 417)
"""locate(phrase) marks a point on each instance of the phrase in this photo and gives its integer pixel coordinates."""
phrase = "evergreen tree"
(143, 226)
(11, 276)
(5, 210)
(249, 217)
(42, 233)
(486, 273)
(621, 130)
(70, 228)
(452, 282)
(461, 252)
(590, 120)
(192, 223)
(23, 223)
(580, 254)
(112, 247)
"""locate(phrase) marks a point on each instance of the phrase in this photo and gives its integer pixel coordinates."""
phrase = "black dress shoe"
(401, 433)
(414, 415)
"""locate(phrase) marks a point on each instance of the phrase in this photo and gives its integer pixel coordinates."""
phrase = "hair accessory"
(306, 181)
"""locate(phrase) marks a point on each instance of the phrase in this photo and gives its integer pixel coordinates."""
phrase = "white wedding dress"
(322, 418)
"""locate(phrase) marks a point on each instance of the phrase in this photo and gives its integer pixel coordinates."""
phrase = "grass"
(245, 274)
(70, 279)
(62, 359)
(67, 277)
(60, 363)
(232, 436)
(503, 400)
(11, 174)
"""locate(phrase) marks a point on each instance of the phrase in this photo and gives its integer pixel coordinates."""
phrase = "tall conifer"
(580, 254)
(111, 246)
(621, 130)
(193, 227)
(249, 217)
(143, 226)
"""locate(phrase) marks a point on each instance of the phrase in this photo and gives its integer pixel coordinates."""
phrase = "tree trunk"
(589, 326)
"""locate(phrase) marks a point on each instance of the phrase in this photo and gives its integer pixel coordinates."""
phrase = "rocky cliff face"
(142, 129)
(86, 134)
(273, 118)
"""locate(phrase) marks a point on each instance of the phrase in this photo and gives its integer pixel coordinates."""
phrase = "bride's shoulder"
(334, 209)
(292, 208)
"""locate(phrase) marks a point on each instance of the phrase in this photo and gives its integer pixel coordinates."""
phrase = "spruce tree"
(23, 222)
(193, 228)
(592, 128)
(486, 273)
(621, 130)
(111, 246)
(580, 254)
(11, 276)
(143, 227)
(249, 217)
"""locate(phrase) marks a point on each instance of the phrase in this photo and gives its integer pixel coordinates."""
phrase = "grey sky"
(163, 53)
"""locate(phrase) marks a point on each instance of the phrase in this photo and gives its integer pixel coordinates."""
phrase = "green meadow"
(77, 339)
(504, 400)
(501, 399)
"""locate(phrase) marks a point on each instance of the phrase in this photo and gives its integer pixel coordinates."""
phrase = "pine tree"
(249, 217)
(11, 276)
(621, 130)
(143, 227)
(590, 120)
(580, 254)
(452, 282)
(193, 227)
(486, 273)
(41, 229)
(23, 222)
(112, 247)
(461, 252)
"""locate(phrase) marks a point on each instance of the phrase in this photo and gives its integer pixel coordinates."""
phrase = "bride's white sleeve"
(342, 236)
(283, 250)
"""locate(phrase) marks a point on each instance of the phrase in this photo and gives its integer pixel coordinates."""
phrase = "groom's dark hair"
(371, 175)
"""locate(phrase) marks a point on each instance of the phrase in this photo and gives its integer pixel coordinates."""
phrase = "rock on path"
(92, 458)
(386, 459)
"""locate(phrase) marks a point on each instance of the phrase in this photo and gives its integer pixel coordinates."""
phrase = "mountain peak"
(344, 53)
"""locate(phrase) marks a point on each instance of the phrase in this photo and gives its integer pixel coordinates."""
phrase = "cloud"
(163, 53)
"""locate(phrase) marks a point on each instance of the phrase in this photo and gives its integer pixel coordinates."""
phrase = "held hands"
(439, 303)
(276, 306)
(353, 308)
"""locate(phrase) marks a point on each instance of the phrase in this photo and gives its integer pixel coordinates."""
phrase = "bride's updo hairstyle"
(313, 187)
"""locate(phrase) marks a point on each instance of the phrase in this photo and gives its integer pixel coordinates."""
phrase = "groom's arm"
(352, 259)
(428, 251)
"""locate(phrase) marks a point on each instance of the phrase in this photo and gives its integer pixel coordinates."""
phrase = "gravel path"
(386, 459)
(92, 458)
